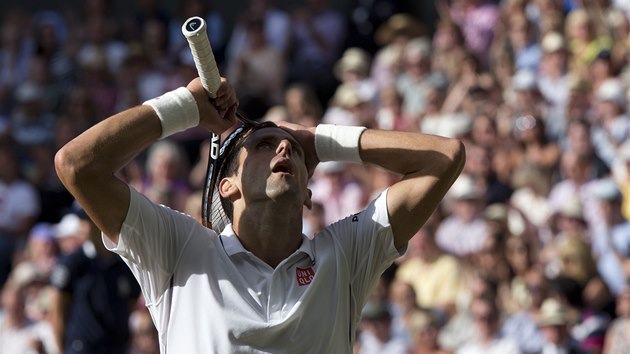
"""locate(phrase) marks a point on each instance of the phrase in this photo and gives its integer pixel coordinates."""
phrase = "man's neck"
(270, 233)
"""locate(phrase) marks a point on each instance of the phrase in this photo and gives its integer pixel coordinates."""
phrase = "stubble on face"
(267, 174)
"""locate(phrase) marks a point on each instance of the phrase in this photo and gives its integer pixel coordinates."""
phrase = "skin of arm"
(60, 303)
(429, 165)
(87, 165)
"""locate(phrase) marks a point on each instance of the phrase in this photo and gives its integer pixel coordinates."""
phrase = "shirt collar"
(232, 244)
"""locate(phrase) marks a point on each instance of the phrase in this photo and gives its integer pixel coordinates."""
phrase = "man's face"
(272, 167)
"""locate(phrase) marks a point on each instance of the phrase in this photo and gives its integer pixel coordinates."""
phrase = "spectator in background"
(353, 69)
(554, 324)
(50, 40)
(464, 231)
(339, 193)
(457, 331)
(389, 115)
(440, 117)
(449, 50)
(30, 122)
(19, 208)
(257, 73)
(586, 40)
(479, 168)
(425, 329)
(402, 305)
(532, 186)
(302, 104)
(166, 170)
(41, 249)
(522, 324)
(612, 125)
(414, 81)
(576, 177)
(14, 57)
(434, 275)
(527, 98)
(100, 41)
(144, 336)
(18, 332)
(533, 145)
(393, 36)
(617, 339)
(376, 331)
(553, 82)
(348, 107)
(610, 241)
(578, 139)
(579, 105)
(317, 34)
(99, 83)
(521, 37)
(527, 282)
(487, 319)
(276, 29)
(477, 19)
(586, 326)
(156, 63)
(93, 297)
(619, 26)
(601, 69)
(577, 263)
(68, 234)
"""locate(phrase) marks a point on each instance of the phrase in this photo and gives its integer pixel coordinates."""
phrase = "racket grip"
(195, 31)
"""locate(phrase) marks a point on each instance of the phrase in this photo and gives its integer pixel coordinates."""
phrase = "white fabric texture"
(226, 300)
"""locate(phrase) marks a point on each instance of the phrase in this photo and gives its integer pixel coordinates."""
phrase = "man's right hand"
(306, 137)
(217, 116)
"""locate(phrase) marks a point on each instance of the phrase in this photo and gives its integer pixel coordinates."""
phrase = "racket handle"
(195, 31)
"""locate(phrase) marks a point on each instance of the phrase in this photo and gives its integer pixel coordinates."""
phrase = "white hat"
(552, 41)
(353, 59)
(68, 226)
(464, 189)
(552, 313)
(612, 90)
(347, 96)
(524, 80)
(606, 190)
(28, 92)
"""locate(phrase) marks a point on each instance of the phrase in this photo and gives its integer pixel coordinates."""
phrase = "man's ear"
(308, 202)
(228, 189)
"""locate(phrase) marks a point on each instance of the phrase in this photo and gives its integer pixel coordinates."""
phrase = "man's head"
(258, 162)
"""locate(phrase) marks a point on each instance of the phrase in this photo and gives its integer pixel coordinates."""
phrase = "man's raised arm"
(87, 165)
(429, 165)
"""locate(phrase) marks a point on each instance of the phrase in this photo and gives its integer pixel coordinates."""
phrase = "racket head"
(217, 211)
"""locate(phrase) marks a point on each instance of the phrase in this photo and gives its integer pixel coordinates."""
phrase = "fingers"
(226, 97)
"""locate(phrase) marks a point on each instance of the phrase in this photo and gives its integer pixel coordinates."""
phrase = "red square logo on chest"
(304, 276)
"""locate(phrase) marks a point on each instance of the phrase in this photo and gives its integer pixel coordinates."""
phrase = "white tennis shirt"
(207, 294)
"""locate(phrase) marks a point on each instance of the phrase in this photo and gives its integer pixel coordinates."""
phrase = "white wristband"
(338, 143)
(177, 111)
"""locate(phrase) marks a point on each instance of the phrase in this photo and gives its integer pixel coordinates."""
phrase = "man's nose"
(284, 147)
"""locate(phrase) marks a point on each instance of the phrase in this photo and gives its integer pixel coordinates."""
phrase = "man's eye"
(265, 145)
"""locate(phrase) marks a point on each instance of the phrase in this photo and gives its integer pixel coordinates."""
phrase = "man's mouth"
(283, 166)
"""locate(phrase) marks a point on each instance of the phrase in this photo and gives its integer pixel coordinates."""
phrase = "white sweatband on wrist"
(338, 142)
(177, 111)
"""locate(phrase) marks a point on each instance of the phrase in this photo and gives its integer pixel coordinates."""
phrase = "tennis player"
(259, 285)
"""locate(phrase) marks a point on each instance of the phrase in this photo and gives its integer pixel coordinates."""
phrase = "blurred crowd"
(528, 253)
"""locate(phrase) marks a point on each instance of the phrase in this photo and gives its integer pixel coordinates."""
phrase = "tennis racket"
(213, 214)
(195, 31)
